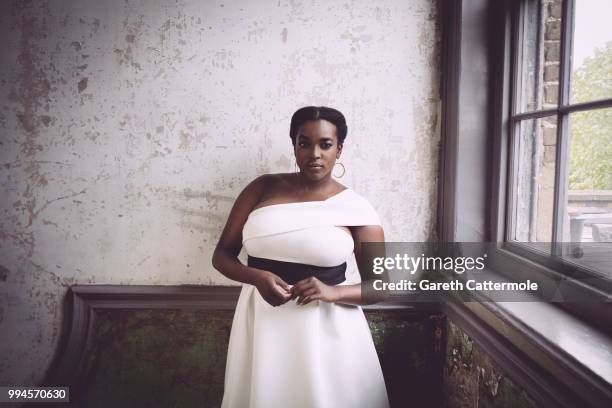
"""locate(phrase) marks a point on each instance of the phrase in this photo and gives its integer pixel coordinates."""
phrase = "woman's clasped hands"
(276, 291)
(311, 288)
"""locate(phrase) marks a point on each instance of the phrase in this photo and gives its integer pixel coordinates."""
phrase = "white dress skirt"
(318, 355)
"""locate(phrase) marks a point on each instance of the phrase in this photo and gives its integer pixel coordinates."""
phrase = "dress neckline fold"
(301, 202)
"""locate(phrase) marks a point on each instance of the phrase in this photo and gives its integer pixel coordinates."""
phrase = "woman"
(298, 337)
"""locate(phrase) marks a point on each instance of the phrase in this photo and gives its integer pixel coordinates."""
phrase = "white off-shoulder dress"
(318, 355)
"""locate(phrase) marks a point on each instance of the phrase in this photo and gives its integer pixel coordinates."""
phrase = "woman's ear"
(339, 151)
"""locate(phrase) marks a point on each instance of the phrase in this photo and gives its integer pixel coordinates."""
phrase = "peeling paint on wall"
(472, 379)
(128, 128)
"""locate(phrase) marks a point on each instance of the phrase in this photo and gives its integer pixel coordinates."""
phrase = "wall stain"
(82, 84)
(34, 213)
(185, 140)
(4, 273)
(76, 45)
(47, 222)
(200, 213)
(207, 195)
(34, 86)
(40, 271)
(212, 231)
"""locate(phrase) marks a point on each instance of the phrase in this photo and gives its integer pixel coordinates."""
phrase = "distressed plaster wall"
(473, 379)
(127, 129)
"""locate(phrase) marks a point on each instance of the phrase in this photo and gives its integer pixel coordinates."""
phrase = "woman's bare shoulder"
(266, 181)
(267, 184)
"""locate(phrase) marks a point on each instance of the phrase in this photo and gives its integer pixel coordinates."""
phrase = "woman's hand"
(310, 289)
(272, 288)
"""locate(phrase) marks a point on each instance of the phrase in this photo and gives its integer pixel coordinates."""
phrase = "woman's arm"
(354, 294)
(311, 289)
(225, 257)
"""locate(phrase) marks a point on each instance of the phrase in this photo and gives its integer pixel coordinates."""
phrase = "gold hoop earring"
(343, 169)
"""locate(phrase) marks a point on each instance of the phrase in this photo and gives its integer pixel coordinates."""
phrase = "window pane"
(535, 180)
(591, 76)
(588, 221)
(539, 66)
(589, 203)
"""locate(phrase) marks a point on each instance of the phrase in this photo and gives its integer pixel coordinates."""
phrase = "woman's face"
(316, 149)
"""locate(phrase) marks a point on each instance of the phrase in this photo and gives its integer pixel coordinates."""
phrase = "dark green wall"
(176, 358)
(167, 358)
(157, 358)
(410, 346)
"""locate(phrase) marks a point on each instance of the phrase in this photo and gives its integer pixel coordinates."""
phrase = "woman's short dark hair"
(309, 113)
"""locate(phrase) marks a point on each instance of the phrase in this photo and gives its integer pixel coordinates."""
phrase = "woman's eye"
(326, 145)
(302, 144)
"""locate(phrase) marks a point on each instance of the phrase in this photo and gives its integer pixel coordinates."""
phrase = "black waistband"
(292, 272)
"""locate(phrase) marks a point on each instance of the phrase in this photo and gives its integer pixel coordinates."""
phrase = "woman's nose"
(316, 151)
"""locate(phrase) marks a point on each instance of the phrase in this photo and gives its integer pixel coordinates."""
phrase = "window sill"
(551, 345)
(561, 334)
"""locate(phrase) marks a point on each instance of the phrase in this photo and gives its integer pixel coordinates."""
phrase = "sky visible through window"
(592, 28)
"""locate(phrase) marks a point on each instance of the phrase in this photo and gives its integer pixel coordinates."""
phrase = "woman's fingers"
(300, 293)
(307, 294)
(297, 289)
(309, 299)
(280, 291)
(306, 290)
(302, 285)
(283, 284)
(281, 294)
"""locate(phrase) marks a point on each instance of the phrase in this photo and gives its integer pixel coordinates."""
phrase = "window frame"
(562, 111)
(474, 158)
(509, 140)
(511, 258)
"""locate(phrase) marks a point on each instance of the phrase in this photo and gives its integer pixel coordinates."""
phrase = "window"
(559, 206)
(487, 110)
